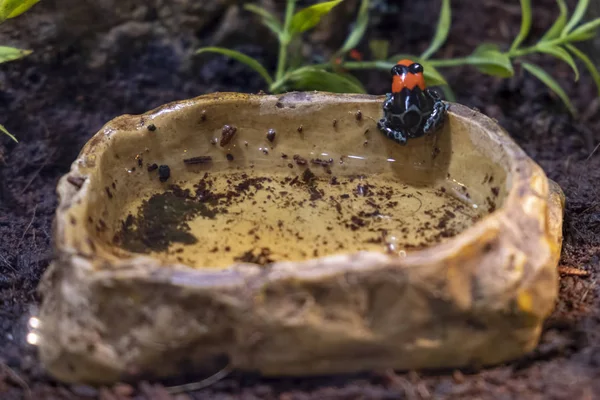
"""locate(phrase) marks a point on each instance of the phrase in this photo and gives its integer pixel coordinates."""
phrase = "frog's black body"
(411, 112)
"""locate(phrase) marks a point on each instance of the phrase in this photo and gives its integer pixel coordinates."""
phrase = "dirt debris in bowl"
(225, 216)
(324, 191)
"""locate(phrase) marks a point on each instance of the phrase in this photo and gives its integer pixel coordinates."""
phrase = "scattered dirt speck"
(256, 256)
(300, 160)
(76, 181)
(198, 160)
(227, 134)
(164, 173)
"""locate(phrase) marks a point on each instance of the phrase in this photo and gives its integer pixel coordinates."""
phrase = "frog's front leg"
(438, 114)
(394, 134)
(388, 102)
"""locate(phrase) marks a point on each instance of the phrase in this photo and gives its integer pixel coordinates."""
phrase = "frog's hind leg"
(395, 135)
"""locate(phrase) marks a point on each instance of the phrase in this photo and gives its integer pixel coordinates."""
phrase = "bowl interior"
(263, 178)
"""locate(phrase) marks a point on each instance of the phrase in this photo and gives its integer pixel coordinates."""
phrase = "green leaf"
(551, 83)
(432, 75)
(359, 28)
(525, 24)
(317, 79)
(307, 18)
(579, 12)
(241, 57)
(10, 54)
(397, 57)
(580, 36)
(561, 54)
(589, 27)
(357, 83)
(559, 24)
(3, 129)
(379, 49)
(268, 19)
(296, 58)
(588, 64)
(449, 93)
(488, 59)
(441, 32)
(14, 8)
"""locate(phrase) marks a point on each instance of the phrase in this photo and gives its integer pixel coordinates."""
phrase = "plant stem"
(282, 77)
(534, 49)
(367, 65)
(274, 88)
(285, 39)
(456, 62)
(280, 82)
(451, 62)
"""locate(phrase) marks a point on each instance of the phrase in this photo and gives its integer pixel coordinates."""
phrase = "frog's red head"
(407, 74)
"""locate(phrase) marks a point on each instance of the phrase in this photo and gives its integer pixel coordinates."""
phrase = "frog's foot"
(437, 117)
(395, 135)
(387, 103)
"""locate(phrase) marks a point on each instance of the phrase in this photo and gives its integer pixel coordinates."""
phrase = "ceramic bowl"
(288, 236)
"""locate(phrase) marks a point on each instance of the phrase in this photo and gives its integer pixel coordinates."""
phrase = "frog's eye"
(416, 68)
(400, 69)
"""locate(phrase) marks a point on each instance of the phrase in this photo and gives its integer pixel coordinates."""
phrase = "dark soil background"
(95, 60)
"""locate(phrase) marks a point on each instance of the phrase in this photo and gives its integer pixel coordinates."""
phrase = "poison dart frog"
(411, 110)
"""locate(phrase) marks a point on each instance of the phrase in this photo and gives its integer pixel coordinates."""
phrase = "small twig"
(16, 379)
(46, 233)
(572, 271)
(591, 111)
(211, 380)
(37, 172)
(587, 290)
(568, 163)
(28, 226)
(593, 151)
(5, 261)
(590, 207)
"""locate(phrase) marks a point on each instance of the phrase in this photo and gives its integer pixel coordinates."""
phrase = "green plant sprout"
(289, 74)
(11, 9)
(488, 58)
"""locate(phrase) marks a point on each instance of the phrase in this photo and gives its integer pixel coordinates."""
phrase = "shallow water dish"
(288, 236)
